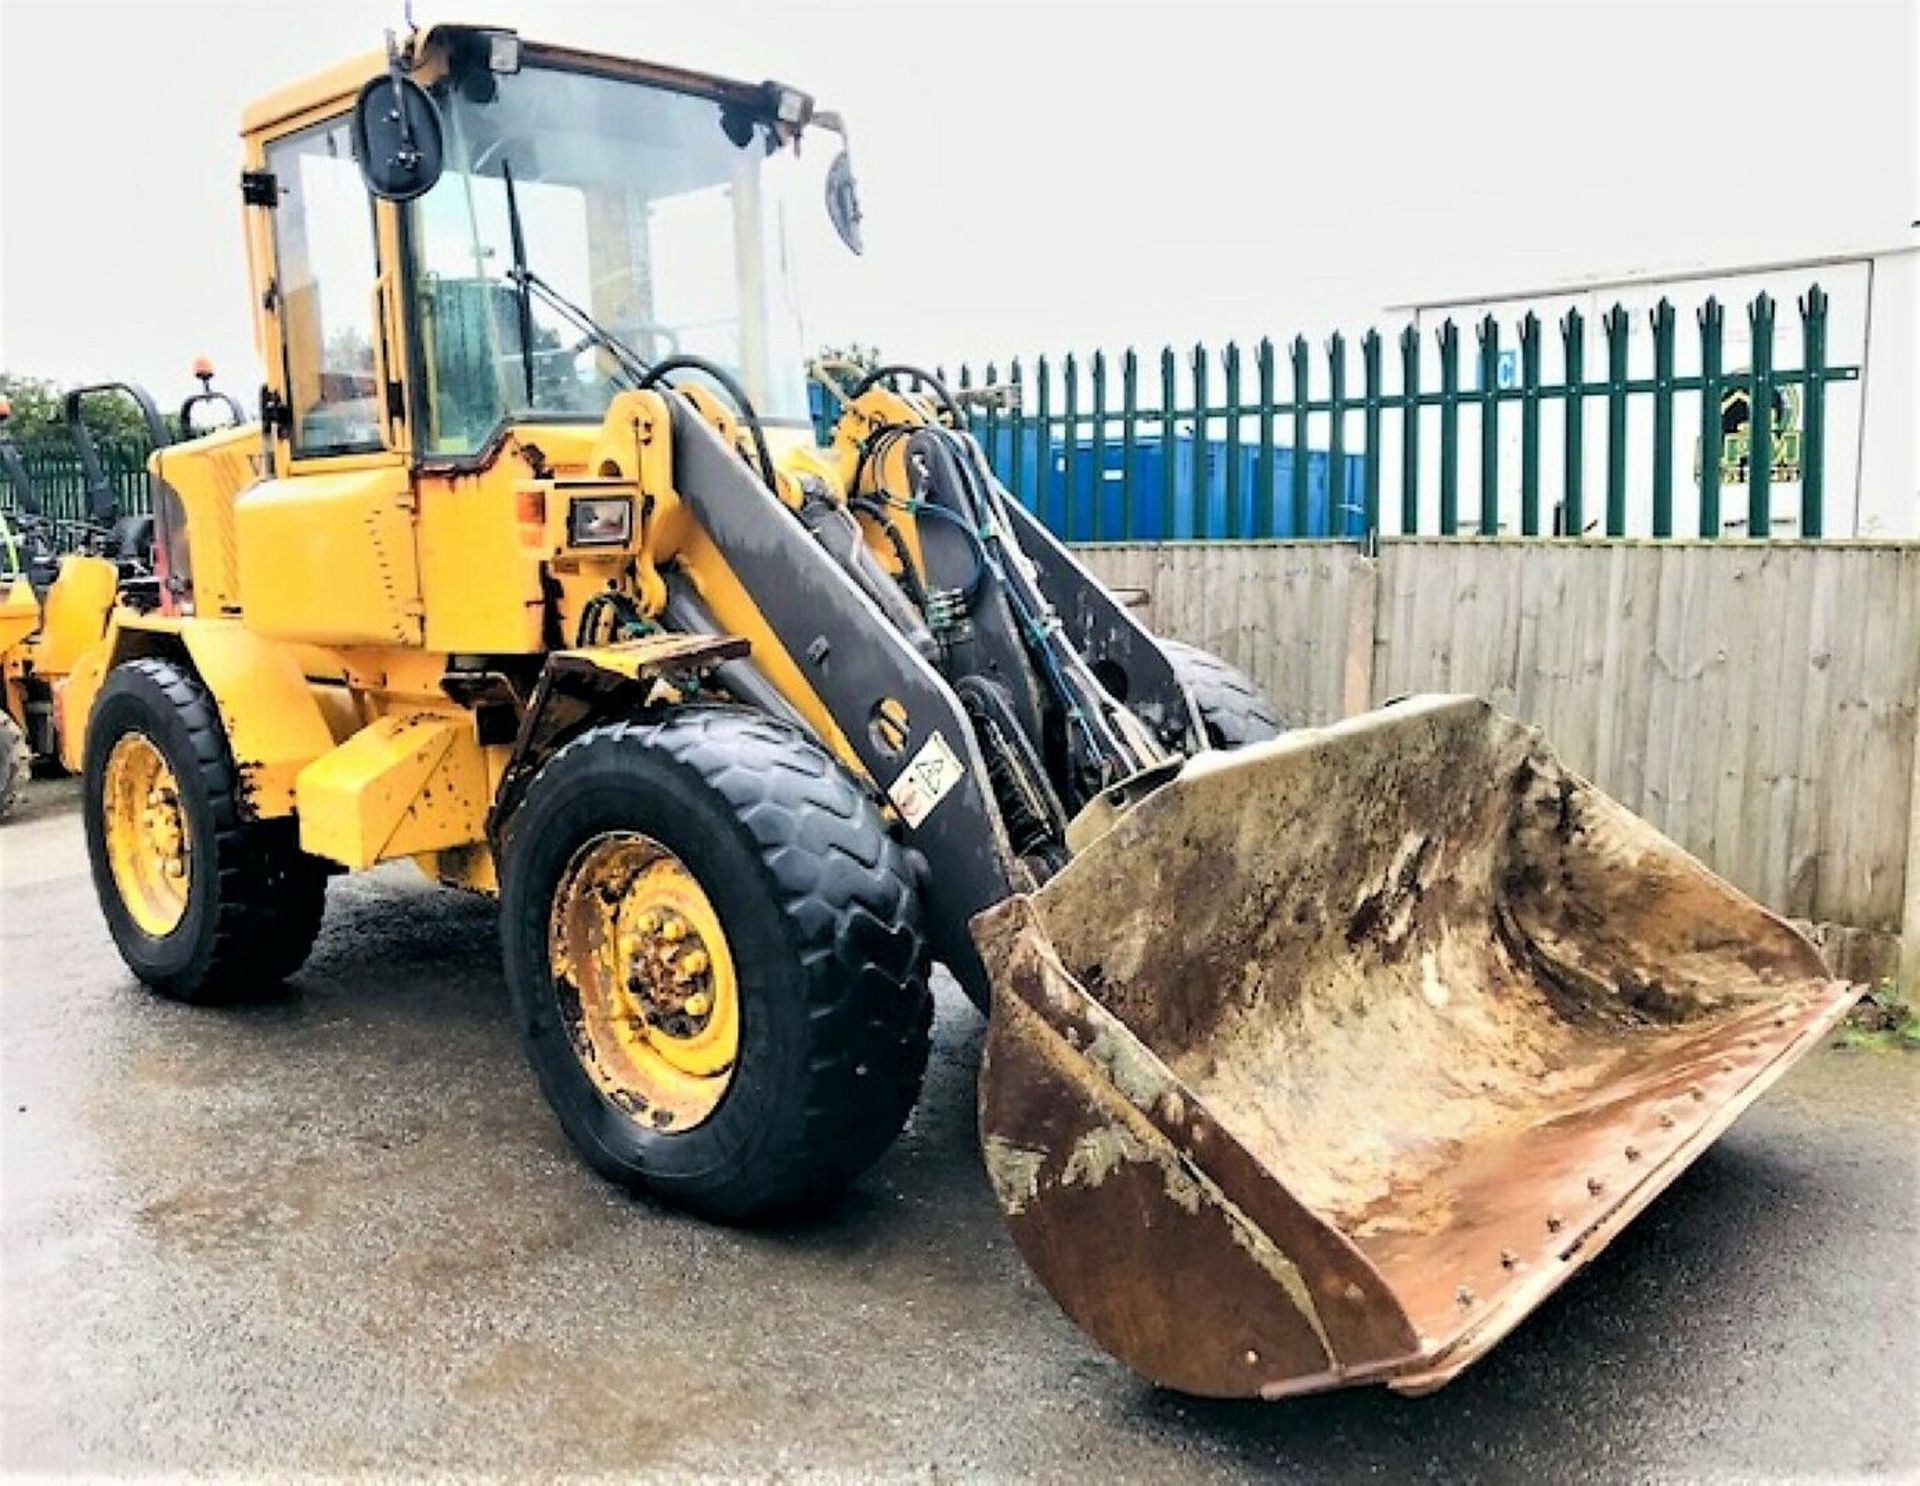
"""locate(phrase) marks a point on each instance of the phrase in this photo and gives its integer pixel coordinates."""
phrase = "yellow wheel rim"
(646, 980)
(148, 846)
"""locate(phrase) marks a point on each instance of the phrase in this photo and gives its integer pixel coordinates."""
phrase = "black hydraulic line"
(627, 620)
(872, 452)
(970, 590)
(896, 539)
(686, 362)
(836, 529)
(1077, 688)
(901, 368)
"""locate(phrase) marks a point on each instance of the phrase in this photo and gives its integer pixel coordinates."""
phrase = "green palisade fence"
(59, 484)
(1641, 425)
(1184, 462)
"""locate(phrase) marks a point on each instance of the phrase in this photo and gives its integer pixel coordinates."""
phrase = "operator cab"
(561, 222)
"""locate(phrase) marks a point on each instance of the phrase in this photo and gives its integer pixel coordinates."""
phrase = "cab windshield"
(661, 214)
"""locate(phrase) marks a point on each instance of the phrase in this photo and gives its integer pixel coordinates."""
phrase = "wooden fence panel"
(1279, 611)
(1757, 702)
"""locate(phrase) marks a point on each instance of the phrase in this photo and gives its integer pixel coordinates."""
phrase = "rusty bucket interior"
(1334, 1056)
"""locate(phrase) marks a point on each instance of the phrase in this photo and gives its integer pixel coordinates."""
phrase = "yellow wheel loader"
(1315, 1056)
(61, 579)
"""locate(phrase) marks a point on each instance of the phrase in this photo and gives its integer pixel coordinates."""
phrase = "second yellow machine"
(1314, 1057)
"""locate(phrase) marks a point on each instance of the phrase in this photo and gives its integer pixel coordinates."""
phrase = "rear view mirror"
(397, 137)
(843, 202)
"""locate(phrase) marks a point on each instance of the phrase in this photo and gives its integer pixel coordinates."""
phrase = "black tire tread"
(16, 765)
(847, 894)
(1235, 711)
(270, 896)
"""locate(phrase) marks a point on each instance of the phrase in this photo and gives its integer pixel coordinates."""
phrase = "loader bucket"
(1336, 1055)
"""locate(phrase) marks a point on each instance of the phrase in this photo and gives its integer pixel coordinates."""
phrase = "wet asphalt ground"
(339, 1232)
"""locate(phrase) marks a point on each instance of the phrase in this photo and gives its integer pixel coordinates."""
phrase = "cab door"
(326, 545)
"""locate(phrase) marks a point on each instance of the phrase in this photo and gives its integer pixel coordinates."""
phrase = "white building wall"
(1873, 450)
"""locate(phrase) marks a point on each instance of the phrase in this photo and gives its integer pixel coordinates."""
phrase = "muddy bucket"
(1335, 1056)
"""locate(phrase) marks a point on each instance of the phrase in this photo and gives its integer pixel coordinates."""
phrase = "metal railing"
(1367, 445)
(1104, 450)
(59, 484)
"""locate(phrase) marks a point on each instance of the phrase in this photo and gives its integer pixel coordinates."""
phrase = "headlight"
(605, 521)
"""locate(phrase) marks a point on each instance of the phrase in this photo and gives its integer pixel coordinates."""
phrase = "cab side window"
(324, 247)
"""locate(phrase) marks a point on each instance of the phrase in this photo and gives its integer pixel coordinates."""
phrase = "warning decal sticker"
(925, 782)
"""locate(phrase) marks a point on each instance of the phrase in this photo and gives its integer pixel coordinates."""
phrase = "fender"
(577, 687)
(275, 724)
(19, 613)
(75, 612)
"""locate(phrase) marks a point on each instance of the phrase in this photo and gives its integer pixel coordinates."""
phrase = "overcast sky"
(1040, 175)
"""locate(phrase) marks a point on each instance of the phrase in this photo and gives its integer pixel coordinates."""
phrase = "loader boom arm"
(857, 661)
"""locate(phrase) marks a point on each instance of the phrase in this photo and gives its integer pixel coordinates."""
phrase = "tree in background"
(39, 414)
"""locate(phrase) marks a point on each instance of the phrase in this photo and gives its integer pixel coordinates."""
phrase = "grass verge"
(1884, 1019)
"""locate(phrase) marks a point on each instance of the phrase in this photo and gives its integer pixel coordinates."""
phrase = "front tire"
(1233, 710)
(716, 960)
(203, 905)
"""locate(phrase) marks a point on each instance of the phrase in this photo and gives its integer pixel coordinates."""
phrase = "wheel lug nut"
(699, 1004)
(693, 962)
(647, 923)
(673, 931)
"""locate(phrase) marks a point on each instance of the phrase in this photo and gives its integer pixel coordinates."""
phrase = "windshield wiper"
(528, 283)
(518, 239)
(629, 359)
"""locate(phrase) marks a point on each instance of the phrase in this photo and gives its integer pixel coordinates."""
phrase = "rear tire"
(16, 765)
(251, 906)
(1232, 708)
(808, 902)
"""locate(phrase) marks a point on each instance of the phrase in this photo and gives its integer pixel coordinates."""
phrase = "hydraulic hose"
(683, 362)
(896, 539)
(927, 378)
(835, 529)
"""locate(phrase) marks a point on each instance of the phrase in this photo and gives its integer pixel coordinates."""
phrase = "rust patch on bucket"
(1394, 996)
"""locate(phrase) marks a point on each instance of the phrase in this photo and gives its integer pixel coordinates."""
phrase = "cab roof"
(335, 87)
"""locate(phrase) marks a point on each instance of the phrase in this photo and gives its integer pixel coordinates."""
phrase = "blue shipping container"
(1037, 470)
(1200, 509)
